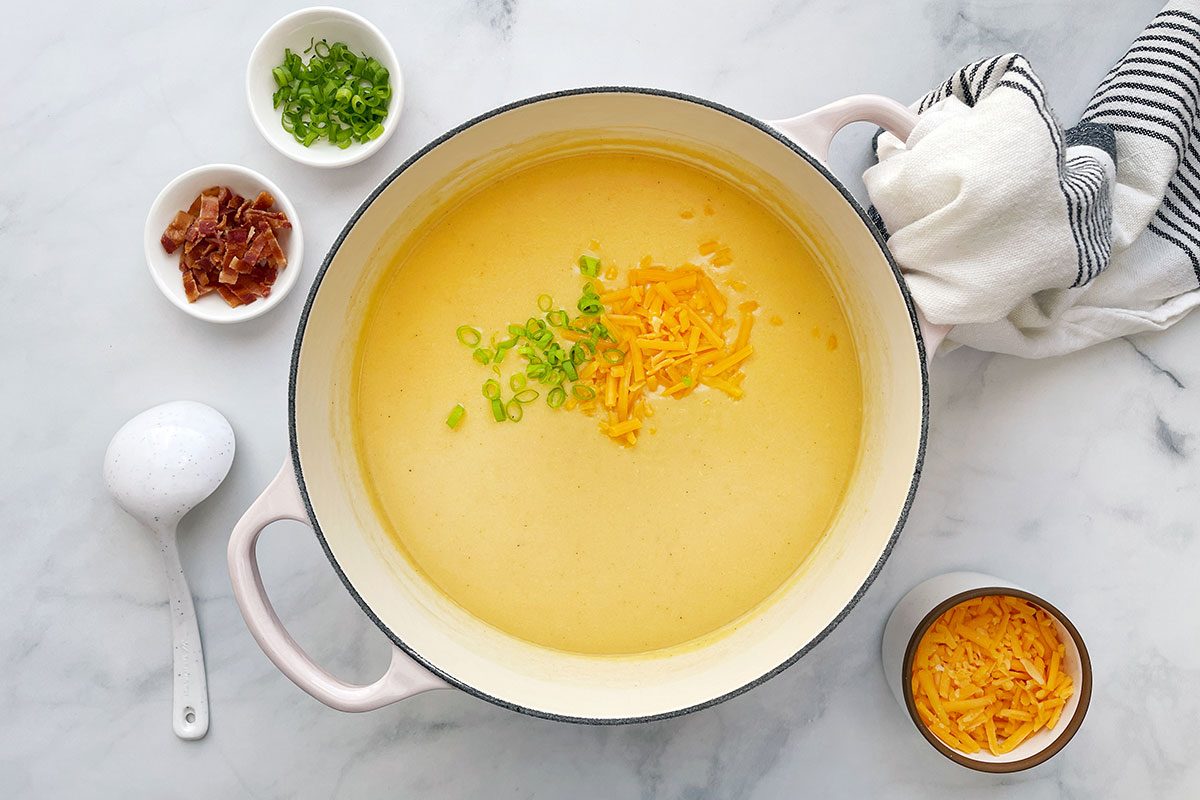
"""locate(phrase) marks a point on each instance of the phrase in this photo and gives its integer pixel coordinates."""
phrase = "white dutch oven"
(437, 644)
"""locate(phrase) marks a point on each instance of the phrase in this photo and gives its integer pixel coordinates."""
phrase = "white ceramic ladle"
(159, 466)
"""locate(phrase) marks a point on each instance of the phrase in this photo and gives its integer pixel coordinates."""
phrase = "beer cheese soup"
(692, 402)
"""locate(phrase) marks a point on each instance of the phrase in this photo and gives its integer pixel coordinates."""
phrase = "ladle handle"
(814, 131)
(403, 678)
(189, 713)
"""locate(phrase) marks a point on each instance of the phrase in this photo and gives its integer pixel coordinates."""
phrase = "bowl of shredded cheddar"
(994, 677)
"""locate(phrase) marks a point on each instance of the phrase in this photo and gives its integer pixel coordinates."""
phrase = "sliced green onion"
(491, 389)
(526, 396)
(338, 94)
(517, 331)
(583, 393)
(469, 336)
(498, 410)
(557, 318)
(590, 305)
(517, 381)
(514, 411)
(557, 397)
(613, 356)
(589, 265)
(545, 302)
(569, 368)
(482, 355)
(534, 327)
(536, 370)
(456, 415)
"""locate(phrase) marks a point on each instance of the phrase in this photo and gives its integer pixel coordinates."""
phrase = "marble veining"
(1075, 477)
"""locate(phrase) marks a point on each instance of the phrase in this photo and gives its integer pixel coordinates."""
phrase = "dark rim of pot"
(748, 120)
(999, 767)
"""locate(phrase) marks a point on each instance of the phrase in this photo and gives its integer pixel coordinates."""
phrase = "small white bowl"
(296, 31)
(922, 606)
(164, 266)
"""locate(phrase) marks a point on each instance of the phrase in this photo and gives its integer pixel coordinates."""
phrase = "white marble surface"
(1076, 477)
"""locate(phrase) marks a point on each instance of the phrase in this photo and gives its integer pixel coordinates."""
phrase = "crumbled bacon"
(263, 219)
(174, 234)
(229, 245)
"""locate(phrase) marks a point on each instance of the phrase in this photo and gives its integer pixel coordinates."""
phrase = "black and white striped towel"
(1035, 240)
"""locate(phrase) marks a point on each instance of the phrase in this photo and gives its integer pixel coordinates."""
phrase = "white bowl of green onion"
(324, 87)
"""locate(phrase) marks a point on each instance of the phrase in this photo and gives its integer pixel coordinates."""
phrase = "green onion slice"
(526, 396)
(514, 411)
(545, 302)
(556, 397)
(583, 393)
(517, 381)
(456, 415)
(613, 356)
(491, 389)
(338, 94)
(498, 410)
(590, 305)
(469, 336)
(557, 318)
(589, 265)
(482, 355)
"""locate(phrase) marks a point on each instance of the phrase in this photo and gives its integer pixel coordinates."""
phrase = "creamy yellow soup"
(546, 529)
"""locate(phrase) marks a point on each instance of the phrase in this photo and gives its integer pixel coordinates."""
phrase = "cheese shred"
(988, 674)
(669, 328)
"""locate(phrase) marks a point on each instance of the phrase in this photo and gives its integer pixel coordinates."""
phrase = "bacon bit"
(175, 233)
(229, 296)
(189, 287)
(206, 223)
(229, 245)
(266, 219)
(272, 252)
(264, 201)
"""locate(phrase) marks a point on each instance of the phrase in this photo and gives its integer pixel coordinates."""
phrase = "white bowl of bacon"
(223, 243)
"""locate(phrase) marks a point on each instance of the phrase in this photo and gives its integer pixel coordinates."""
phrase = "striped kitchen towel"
(1036, 240)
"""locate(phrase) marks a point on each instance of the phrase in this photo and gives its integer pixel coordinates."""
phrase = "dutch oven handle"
(815, 130)
(404, 677)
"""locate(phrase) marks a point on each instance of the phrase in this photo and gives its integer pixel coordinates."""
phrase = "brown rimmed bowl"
(922, 606)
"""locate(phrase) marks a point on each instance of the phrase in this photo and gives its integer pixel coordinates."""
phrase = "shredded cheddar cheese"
(989, 674)
(670, 327)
